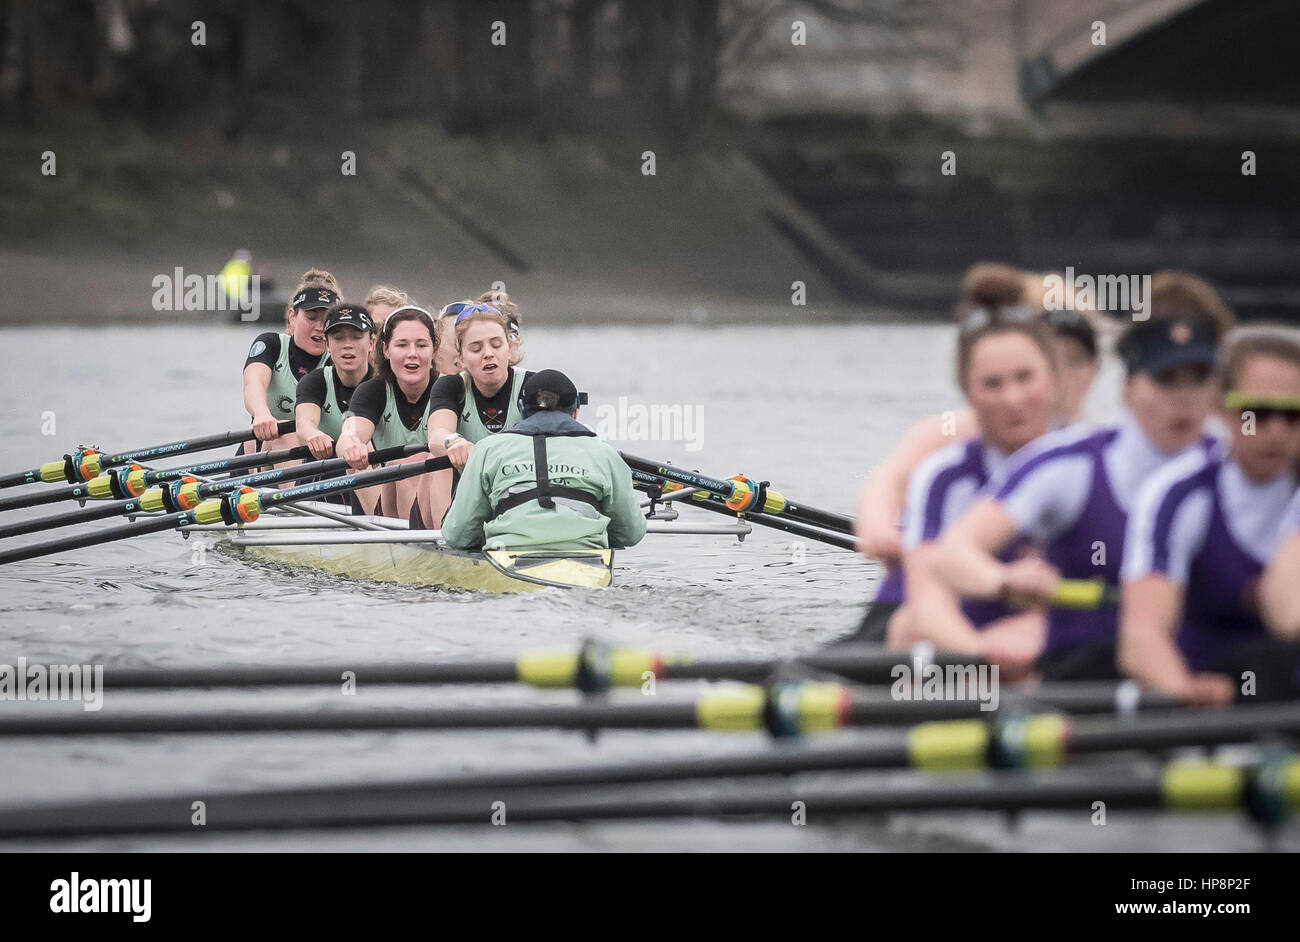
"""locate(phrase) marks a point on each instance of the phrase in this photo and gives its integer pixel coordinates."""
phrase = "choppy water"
(809, 408)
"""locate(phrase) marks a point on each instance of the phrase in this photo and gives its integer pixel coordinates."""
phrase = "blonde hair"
(383, 294)
(311, 278)
(510, 311)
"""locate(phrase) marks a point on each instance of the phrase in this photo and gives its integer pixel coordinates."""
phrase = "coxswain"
(1202, 530)
(547, 482)
(277, 361)
(392, 407)
(1070, 493)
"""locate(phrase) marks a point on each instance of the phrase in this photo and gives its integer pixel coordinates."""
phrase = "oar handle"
(1085, 594)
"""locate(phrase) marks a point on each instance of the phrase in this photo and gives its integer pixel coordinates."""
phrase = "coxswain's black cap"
(313, 299)
(350, 315)
(1159, 345)
(550, 381)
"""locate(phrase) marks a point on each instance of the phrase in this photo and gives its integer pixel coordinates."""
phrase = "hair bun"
(991, 285)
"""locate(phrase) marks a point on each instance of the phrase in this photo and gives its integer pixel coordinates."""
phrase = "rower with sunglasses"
(1071, 491)
(467, 407)
(1200, 533)
(392, 408)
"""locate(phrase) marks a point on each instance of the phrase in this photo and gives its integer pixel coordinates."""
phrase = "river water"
(806, 407)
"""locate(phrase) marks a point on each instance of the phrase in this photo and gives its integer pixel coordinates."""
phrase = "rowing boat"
(399, 554)
(388, 550)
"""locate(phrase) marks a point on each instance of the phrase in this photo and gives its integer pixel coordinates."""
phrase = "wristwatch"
(446, 442)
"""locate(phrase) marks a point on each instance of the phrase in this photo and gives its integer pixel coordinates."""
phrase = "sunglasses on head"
(981, 317)
(463, 309)
(1265, 407)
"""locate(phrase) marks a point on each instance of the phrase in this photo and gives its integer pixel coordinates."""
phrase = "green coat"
(503, 464)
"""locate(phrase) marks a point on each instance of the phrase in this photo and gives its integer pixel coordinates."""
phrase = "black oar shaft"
(84, 540)
(82, 492)
(188, 518)
(126, 507)
(653, 715)
(118, 508)
(155, 678)
(865, 709)
(390, 806)
(183, 446)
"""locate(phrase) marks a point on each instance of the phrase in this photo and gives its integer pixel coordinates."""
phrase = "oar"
(85, 463)
(230, 509)
(643, 480)
(781, 709)
(185, 493)
(743, 495)
(596, 667)
(132, 480)
(1268, 790)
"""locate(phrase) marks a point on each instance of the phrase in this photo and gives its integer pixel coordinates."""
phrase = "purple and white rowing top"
(1208, 527)
(939, 491)
(1070, 492)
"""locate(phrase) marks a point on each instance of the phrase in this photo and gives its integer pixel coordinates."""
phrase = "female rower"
(1200, 533)
(392, 408)
(880, 503)
(1072, 491)
(277, 361)
(503, 303)
(1006, 369)
(1279, 589)
(324, 394)
(468, 407)
(448, 361)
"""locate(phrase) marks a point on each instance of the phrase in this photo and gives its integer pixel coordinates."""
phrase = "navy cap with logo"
(1160, 345)
(348, 315)
(314, 299)
(550, 381)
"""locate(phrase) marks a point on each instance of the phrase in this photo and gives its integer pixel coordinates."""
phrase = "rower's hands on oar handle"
(355, 453)
(458, 450)
(265, 426)
(1207, 689)
(321, 445)
(1029, 583)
